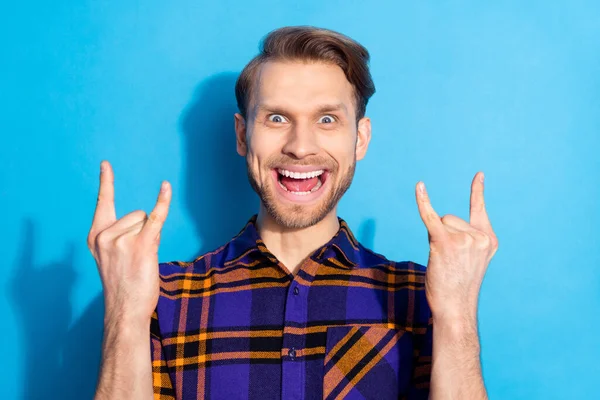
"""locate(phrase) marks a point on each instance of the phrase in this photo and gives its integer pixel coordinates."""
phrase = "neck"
(292, 246)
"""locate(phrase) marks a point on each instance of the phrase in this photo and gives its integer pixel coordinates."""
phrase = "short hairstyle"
(308, 43)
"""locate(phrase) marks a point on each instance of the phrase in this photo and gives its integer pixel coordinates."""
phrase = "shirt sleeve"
(421, 374)
(161, 380)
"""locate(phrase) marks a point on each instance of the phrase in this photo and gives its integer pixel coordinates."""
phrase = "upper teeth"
(300, 175)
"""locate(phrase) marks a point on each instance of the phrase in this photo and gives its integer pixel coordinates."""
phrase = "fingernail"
(421, 187)
(102, 166)
(481, 177)
(163, 187)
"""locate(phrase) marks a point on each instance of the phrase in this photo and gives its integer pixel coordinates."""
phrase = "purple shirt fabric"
(235, 324)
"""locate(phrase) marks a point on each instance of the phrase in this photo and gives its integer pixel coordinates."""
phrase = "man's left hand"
(459, 253)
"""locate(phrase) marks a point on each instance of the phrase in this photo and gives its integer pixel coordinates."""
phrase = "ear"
(240, 134)
(363, 137)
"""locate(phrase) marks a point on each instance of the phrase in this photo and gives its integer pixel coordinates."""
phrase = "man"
(293, 307)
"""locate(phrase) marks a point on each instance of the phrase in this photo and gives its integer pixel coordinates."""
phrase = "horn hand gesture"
(126, 252)
(459, 253)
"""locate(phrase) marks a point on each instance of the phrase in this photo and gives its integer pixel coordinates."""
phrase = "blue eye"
(277, 118)
(327, 119)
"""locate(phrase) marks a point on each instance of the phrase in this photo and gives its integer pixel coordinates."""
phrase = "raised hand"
(459, 253)
(126, 252)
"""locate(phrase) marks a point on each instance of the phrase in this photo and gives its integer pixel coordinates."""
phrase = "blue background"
(510, 88)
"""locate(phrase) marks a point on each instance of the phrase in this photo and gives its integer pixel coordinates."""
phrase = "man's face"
(301, 140)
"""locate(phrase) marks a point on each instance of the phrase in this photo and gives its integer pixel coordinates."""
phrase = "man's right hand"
(126, 253)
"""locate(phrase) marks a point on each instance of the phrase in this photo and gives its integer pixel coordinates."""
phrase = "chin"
(297, 216)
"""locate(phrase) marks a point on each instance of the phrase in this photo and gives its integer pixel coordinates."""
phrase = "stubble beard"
(299, 216)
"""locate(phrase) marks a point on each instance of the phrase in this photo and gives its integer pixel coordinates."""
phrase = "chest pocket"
(365, 362)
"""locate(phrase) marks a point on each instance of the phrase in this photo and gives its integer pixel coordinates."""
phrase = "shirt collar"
(343, 249)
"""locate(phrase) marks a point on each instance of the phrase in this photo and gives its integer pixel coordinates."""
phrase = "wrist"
(122, 334)
(125, 322)
(457, 335)
(455, 325)
(455, 315)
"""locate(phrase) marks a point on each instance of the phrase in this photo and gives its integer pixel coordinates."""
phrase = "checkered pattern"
(234, 324)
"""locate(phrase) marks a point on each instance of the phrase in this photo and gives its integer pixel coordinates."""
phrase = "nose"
(301, 142)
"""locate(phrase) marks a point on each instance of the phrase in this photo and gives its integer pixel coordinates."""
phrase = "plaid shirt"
(234, 324)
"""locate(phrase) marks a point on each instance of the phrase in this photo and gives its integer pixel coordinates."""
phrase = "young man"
(293, 307)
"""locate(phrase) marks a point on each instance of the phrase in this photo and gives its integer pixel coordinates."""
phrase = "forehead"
(299, 86)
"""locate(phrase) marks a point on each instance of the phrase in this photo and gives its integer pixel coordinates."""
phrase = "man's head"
(301, 124)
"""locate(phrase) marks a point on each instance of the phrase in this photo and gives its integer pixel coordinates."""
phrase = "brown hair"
(308, 43)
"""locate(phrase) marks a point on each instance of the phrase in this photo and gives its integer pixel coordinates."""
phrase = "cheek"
(259, 145)
(260, 149)
(342, 150)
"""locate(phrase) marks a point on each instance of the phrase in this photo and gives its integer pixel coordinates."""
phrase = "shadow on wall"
(218, 197)
(61, 360)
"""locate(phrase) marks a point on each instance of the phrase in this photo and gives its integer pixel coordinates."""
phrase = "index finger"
(105, 214)
(478, 217)
(430, 218)
(157, 217)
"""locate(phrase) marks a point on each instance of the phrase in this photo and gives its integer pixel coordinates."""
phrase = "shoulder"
(371, 259)
(235, 249)
(402, 275)
(181, 279)
(176, 268)
(203, 264)
(407, 280)
(186, 280)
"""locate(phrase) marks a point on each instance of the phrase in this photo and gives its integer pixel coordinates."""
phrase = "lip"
(293, 198)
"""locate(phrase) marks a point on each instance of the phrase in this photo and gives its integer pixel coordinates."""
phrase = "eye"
(277, 118)
(327, 119)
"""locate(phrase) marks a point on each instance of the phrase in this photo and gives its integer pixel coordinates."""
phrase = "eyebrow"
(323, 108)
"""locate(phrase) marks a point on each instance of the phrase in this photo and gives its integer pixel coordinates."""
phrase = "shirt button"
(296, 291)
(292, 353)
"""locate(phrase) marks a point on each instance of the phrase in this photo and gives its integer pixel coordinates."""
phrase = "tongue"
(299, 185)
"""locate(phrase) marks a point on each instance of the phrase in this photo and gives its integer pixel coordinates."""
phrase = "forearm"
(126, 370)
(456, 365)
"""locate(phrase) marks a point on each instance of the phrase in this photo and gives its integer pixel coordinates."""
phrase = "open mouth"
(301, 183)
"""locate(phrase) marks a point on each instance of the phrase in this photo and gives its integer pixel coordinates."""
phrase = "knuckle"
(102, 239)
(90, 240)
(468, 240)
(462, 240)
(91, 247)
(122, 242)
(155, 217)
(448, 219)
(428, 217)
(482, 240)
(494, 242)
(139, 215)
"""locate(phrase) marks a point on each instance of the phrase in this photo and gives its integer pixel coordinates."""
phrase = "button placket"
(292, 364)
